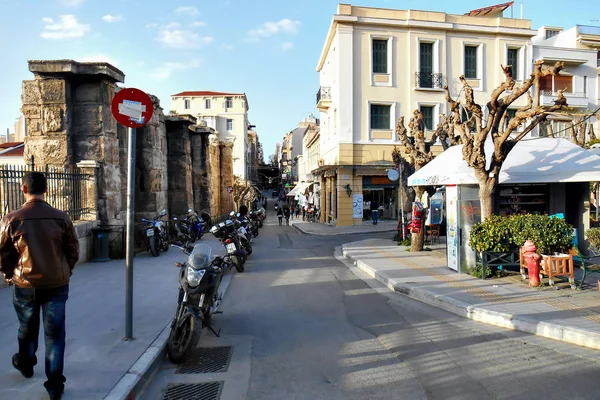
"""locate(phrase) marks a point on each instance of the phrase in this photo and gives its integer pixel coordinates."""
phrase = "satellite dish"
(393, 175)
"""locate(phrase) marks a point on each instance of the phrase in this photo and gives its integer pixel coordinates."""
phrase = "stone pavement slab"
(96, 357)
(569, 315)
(317, 228)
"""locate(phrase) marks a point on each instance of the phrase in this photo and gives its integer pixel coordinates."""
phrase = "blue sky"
(266, 48)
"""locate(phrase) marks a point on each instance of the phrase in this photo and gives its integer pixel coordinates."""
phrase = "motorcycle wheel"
(153, 246)
(248, 248)
(165, 245)
(260, 223)
(237, 263)
(183, 338)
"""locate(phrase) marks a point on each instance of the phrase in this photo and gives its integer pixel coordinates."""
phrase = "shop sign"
(357, 206)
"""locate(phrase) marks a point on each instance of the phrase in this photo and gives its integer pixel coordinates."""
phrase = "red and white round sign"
(132, 108)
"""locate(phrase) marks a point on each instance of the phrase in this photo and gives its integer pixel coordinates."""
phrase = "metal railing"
(429, 80)
(324, 93)
(66, 188)
(566, 93)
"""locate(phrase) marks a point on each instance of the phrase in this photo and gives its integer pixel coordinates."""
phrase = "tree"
(497, 128)
(582, 133)
(417, 153)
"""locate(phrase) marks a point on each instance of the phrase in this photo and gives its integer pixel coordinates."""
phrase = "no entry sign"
(132, 108)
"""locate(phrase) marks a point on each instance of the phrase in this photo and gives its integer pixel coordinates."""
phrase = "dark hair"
(243, 210)
(35, 182)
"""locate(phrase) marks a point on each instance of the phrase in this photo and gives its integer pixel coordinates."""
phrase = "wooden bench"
(589, 264)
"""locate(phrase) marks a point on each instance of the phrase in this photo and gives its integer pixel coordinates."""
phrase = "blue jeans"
(375, 215)
(28, 303)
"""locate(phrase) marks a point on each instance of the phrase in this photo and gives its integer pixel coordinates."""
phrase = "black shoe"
(26, 371)
(55, 395)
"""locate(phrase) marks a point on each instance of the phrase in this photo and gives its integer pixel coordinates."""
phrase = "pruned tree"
(582, 133)
(417, 153)
(503, 133)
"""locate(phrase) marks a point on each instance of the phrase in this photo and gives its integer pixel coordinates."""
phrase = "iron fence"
(66, 188)
(429, 80)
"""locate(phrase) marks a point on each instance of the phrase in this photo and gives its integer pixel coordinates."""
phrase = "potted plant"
(491, 241)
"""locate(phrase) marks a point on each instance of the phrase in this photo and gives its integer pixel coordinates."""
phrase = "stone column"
(226, 177)
(179, 163)
(214, 178)
(91, 168)
(199, 137)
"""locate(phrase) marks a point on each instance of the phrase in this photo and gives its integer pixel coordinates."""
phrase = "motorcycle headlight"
(195, 276)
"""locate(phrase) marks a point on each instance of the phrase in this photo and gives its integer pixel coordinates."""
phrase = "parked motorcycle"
(240, 226)
(200, 296)
(257, 223)
(156, 232)
(229, 238)
(196, 225)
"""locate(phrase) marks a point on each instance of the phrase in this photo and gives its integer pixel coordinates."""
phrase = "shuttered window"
(380, 116)
(471, 62)
(380, 56)
(512, 58)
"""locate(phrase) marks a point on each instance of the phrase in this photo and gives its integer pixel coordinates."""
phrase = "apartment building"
(227, 113)
(579, 49)
(379, 64)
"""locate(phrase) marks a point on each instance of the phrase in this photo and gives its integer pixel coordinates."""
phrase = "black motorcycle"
(229, 238)
(200, 296)
(157, 234)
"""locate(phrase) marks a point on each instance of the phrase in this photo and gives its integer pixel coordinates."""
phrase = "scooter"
(200, 296)
(227, 235)
(156, 232)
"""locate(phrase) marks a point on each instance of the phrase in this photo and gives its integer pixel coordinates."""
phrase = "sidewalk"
(96, 357)
(317, 228)
(568, 315)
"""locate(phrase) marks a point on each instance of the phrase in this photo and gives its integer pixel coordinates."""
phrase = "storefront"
(382, 190)
(541, 176)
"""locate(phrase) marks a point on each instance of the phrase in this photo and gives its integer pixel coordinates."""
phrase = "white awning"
(544, 160)
(298, 189)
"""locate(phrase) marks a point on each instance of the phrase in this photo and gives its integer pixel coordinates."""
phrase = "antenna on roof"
(521, 10)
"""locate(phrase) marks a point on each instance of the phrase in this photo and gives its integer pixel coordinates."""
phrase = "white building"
(579, 49)
(227, 113)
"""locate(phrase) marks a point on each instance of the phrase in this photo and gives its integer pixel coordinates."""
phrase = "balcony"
(429, 80)
(547, 98)
(324, 98)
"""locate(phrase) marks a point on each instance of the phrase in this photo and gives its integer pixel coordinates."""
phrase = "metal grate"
(207, 359)
(194, 391)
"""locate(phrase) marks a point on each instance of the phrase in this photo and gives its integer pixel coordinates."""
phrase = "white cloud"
(190, 11)
(165, 70)
(197, 24)
(285, 46)
(71, 3)
(172, 36)
(109, 18)
(65, 28)
(273, 28)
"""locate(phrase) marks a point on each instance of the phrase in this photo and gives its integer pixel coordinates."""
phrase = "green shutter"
(380, 117)
(471, 62)
(427, 112)
(380, 56)
(512, 58)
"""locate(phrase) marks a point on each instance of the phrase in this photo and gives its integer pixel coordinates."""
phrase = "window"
(427, 112)
(551, 33)
(186, 104)
(471, 62)
(564, 83)
(425, 65)
(510, 114)
(228, 102)
(380, 116)
(229, 124)
(512, 58)
(207, 103)
(380, 56)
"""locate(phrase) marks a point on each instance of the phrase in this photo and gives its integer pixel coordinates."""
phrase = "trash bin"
(101, 241)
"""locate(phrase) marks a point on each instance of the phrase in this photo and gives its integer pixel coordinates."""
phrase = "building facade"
(579, 49)
(379, 64)
(226, 113)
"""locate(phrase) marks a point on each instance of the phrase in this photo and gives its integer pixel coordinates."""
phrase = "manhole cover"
(207, 359)
(193, 391)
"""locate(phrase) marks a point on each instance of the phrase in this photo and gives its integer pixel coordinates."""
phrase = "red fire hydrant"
(533, 262)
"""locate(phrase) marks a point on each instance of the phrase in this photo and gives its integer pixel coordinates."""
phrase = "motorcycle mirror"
(238, 215)
(178, 265)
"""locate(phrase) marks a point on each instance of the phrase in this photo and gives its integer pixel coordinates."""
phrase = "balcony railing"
(324, 93)
(574, 99)
(429, 80)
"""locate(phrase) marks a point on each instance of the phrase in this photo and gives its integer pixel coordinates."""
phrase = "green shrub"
(593, 236)
(502, 234)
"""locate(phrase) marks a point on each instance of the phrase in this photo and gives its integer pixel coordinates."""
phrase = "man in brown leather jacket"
(38, 251)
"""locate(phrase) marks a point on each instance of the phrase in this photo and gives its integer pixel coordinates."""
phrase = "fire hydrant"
(533, 262)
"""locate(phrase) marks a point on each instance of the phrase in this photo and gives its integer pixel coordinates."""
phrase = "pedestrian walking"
(375, 211)
(293, 211)
(38, 251)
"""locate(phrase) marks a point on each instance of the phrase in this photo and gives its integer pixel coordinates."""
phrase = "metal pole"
(401, 187)
(130, 213)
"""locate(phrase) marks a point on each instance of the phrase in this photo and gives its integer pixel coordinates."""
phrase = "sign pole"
(130, 214)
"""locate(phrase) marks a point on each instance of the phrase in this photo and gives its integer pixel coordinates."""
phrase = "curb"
(133, 382)
(340, 233)
(548, 330)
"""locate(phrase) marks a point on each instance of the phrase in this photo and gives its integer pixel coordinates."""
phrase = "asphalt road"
(304, 325)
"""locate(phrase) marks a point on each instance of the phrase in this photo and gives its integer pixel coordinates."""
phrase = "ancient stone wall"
(226, 177)
(200, 169)
(214, 171)
(179, 164)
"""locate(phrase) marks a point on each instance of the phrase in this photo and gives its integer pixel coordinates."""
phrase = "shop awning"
(298, 189)
(544, 160)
